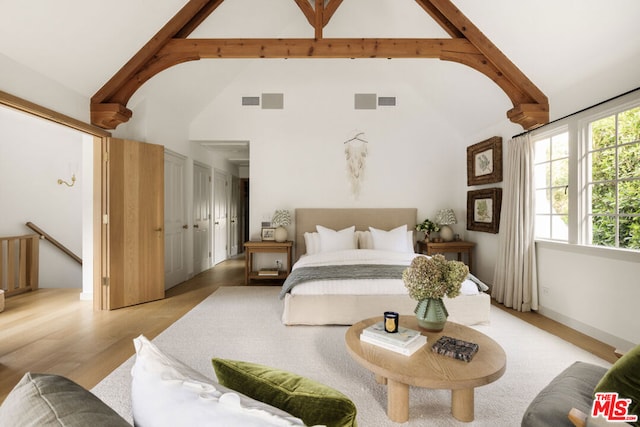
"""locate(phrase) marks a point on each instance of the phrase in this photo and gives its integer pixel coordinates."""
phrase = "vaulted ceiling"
(577, 52)
(466, 44)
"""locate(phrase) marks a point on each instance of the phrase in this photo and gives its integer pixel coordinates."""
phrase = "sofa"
(569, 398)
(166, 392)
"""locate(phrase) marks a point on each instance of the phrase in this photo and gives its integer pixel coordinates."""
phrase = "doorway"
(201, 218)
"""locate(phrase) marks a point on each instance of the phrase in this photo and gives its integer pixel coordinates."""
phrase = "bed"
(334, 301)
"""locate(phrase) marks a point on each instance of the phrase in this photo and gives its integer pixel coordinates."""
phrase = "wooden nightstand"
(459, 247)
(253, 247)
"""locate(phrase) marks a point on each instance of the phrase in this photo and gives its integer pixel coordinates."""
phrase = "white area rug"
(243, 323)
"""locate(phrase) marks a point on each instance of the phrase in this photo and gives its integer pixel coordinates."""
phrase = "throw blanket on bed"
(341, 272)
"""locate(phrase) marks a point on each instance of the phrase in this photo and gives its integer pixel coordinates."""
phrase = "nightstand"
(459, 247)
(264, 246)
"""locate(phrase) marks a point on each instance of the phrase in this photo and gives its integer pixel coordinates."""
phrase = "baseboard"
(605, 337)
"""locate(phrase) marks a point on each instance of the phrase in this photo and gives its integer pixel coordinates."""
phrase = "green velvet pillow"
(624, 378)
(312, 402)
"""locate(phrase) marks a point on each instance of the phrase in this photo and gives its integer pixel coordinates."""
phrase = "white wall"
(34, 154)
(415, 158)
(25, 83)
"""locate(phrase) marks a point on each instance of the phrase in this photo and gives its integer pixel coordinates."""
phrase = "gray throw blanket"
(341, 272)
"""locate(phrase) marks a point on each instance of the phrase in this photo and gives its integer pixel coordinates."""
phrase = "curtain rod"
(577, 112)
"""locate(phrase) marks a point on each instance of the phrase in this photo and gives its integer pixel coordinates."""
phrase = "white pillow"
(332, 240)
(392, 240)
(469, 287)
(312, 243)
(166, 392)
(481, 285)
(410, 243)
(365, 241)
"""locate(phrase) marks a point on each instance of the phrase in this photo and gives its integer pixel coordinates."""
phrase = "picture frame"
(484, 162)
(268, 233)
(483, 210)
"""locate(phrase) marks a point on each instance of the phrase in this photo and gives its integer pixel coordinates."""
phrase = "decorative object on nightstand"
(427, 226)
(281, 219)
(444, 218)
(428, 280)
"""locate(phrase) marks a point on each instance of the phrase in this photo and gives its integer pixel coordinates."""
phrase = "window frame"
(550, 134)
(578, 127)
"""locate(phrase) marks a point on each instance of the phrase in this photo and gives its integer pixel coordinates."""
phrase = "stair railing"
(54, 242)
(19, 257)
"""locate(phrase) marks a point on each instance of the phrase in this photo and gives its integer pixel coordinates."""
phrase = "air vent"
(365, 101)
(250, 100)
(272, 101)
(387, 101)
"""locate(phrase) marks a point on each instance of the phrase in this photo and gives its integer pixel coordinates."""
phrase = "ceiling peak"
(467, 45)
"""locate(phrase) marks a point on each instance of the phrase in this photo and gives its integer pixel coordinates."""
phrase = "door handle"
(186, 226)
(196, 226)
(158, 229)
(216, 223)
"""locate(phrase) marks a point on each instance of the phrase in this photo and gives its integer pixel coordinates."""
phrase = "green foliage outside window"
(615, 180)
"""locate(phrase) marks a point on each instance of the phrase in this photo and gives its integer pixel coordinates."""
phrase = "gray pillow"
(572, 388)
(51, 400)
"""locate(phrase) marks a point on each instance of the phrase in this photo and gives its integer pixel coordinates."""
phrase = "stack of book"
(406, 341)
(456, 348)
(268, 272)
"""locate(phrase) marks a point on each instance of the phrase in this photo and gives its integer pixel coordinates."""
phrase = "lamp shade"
(281, 218)
(446, 217)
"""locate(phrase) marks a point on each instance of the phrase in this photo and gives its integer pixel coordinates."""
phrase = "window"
(613, 180)
(587, 176)
(552, 187)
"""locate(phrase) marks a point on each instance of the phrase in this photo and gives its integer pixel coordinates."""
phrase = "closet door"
(134, 256)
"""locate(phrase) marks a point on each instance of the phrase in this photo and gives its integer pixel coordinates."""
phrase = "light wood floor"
(51, 330)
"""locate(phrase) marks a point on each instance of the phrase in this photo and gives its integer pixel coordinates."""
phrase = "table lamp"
(444, 218)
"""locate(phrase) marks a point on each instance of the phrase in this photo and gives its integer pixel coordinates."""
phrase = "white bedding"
(358, 286)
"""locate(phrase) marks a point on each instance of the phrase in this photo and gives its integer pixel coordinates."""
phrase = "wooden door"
(201, 218)
(220, 208)
(175, 220)
(134, 223)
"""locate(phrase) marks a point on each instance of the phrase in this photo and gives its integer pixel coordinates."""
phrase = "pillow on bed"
(365, 240)
(332, 240)
(393, 240)
(312, 243)
(469, 287)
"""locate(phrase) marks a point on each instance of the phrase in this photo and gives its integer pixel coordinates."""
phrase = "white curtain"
(514, 279)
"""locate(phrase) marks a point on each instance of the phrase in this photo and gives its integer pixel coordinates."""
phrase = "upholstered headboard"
(339, 218)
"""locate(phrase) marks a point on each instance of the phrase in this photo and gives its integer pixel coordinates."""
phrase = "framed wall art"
(268, 233)
(483, 210)
(484, 162)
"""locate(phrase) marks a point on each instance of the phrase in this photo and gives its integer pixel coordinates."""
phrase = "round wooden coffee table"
(428, 369)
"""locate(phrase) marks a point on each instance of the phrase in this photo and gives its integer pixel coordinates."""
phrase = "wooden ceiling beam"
(103, 101)
(318, 24)
(312, 48)
(198, 19)
(442, 20)
(468, 46)
(330, 9)
(457, 24)
(307, 10)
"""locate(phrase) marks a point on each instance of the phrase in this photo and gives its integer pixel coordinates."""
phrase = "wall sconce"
(73, 181)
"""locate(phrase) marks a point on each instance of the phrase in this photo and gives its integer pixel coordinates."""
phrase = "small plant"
(427, 226)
